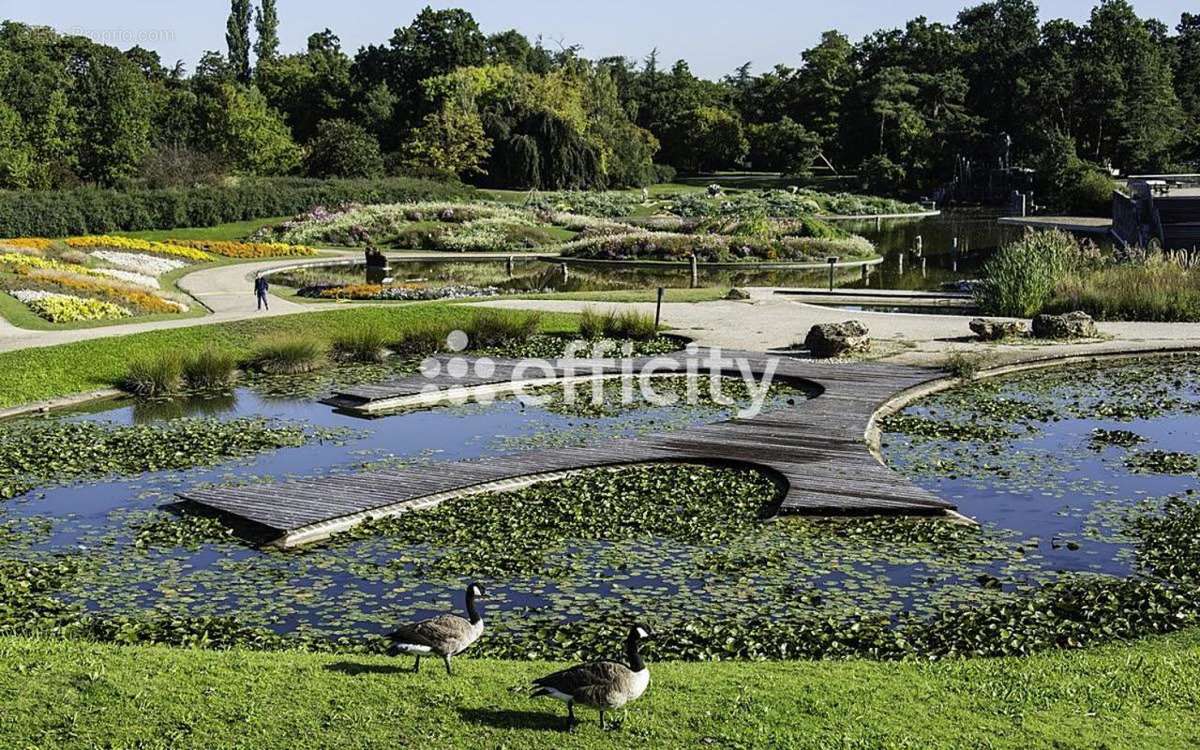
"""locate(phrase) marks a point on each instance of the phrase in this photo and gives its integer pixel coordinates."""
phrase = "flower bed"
(248, 249)
(661, 246)
(147, 265)
(67, 308)
(113, 291)
(144, 246)
(786, 204)
(131, 277)
(395, 293)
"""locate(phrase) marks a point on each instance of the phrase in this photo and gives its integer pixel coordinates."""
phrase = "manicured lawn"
(78, 695)
(36, 374)
(238, 230)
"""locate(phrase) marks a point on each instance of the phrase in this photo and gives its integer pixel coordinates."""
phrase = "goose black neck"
(472, 611)
(634, 652)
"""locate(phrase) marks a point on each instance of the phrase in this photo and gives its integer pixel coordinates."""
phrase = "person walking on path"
(261, 287)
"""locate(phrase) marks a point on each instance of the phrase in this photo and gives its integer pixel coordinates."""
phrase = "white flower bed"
(132, 277)
(147, 265)
(34, 295)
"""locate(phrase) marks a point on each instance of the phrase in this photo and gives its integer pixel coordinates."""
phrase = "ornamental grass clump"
(210, 369)
(422, 340)
(288, 355)
(154, 376)
(366, 345)
(488, 328)
(1023, 275)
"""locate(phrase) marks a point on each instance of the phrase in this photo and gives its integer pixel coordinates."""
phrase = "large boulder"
(827, 340)
(988, 329)
(1074, 325)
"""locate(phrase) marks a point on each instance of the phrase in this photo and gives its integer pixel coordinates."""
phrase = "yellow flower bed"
(142, 300)
(20, 263)
(145, 246)
(40, 244)
(66, 308)
(249, 249)
(353, 291)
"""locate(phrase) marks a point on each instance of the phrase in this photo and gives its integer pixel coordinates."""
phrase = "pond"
(977, 231)
(1063, 470)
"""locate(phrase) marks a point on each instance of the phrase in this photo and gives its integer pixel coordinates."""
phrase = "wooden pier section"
(815, 448)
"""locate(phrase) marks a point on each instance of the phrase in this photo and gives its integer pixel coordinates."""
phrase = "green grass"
(35, 374)
(706, 294)
(238, 230)
(79, 695)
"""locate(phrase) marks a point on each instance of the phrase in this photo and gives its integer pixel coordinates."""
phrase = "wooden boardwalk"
(815, 449)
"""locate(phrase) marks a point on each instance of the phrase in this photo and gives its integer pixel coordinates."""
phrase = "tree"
(266, 25)
(237, 38)
(16, 157)
(783, 146)
(707, 139)
(114, 109)
(450, 141)
(827, 76)
(343, 149)
(252, 138)
(311, 86)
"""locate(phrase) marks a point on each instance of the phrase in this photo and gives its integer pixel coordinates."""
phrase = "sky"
(714, 36)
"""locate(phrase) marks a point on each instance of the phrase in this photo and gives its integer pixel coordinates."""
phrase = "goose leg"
(417, 664)
(570, 716)
(602, 727)
(447, 660)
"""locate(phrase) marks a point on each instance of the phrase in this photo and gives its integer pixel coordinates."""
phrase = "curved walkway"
(815, 448)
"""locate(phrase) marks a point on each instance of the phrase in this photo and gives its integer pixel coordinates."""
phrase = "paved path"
(772, 322)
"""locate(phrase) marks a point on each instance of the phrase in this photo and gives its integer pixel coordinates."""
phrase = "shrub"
(965, 365)
(367, 344)
(1157, 288)
(210, 368)
(61, 213)
(1020, 279)
(157, 375)
(1087, 192)
(488, 328)
(343, 149)
(288, 355)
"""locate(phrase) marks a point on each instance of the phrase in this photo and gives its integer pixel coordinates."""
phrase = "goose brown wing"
(436, 632)
(588, 683)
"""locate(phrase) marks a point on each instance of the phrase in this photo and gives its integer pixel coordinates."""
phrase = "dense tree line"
(904, 108)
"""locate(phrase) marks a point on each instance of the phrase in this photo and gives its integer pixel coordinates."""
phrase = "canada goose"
(605, 685)
(444, 635)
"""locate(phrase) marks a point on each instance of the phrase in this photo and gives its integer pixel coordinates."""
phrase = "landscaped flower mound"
(230, 249)
(679, 248)
(452, 227)
(146, 246)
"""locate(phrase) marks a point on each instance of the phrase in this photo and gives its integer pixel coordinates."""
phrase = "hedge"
(95, 211)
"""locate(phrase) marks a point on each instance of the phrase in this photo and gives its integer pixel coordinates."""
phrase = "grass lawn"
(238, 230)
(31, 375)
(79, 695)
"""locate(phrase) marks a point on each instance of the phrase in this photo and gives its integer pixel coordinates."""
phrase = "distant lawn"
(238, 230)
(35, 374)
(79, 695)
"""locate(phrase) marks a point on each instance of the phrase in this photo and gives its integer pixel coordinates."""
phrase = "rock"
(994, 330)
(737, 294)
(1075, 325)
(827, 340)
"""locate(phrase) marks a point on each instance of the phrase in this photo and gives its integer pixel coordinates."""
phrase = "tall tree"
(266, 25)
(237, 38)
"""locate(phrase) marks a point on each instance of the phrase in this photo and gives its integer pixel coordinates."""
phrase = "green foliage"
(45, 452)
(1021, 278)
(965, 365)
(88, 211)
(210, 368)
(784, 146)
(266, 26)
(709, 248)
(705, 138)
(494, 328)
(249, 135)
(1153, 286)
(154, 376)
(188, 530)
(288, 355)
(620, 325)
(343, 149)
(237, 38)
(362, 345)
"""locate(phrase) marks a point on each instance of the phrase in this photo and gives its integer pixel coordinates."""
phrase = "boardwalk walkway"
(815, 449)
